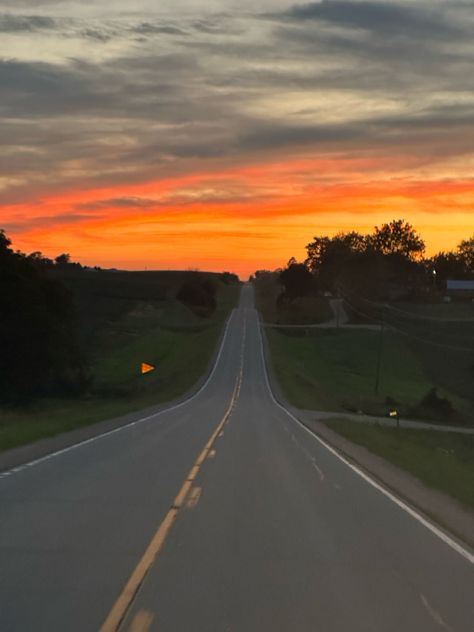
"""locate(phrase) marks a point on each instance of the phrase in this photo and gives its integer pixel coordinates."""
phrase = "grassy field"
(442, 460)
(441, 337)
(133, 319)
(335, 369)
(445, 311)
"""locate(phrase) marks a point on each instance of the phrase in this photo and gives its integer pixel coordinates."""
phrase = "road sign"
(147, 368)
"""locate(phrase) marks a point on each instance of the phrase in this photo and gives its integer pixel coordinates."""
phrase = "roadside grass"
(442, 460)
(181, 359)
(335, 369)
(441, 336)
(162, 332)
(448, 311)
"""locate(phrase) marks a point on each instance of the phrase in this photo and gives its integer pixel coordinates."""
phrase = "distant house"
(457, 288)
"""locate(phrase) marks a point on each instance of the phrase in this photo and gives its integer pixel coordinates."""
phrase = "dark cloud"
(20, 23)
(152, 28)
(378, 17)
(99, 35)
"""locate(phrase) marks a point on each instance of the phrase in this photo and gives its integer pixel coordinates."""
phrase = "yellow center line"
(193, 498)
(119, 610)
(142, 621)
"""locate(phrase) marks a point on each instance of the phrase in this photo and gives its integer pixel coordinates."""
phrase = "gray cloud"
(174, 104)
(19, 23)
(378, 17)
(121, 202)
(156, 28)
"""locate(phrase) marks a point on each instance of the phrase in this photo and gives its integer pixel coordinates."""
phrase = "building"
(461, 289)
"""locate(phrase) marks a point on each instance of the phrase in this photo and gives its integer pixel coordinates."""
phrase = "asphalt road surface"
(220, 515)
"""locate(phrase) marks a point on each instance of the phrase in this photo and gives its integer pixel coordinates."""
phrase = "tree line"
(388, 263)
(39, 353)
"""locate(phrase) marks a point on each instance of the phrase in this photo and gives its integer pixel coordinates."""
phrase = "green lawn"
(443, 460)
(163, 332)
(335, 369)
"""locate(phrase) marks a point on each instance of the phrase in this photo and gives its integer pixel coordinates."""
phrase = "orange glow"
(241, 219)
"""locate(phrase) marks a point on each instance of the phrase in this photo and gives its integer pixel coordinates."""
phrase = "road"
(220, 515)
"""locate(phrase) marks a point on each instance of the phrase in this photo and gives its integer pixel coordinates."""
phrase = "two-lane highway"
(223, 514)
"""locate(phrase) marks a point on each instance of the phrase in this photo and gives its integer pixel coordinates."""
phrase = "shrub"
(434, 405)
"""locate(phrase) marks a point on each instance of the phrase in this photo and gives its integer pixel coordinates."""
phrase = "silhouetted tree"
(297, 281)
(63, 260)
(466, 253)
(397, 237)
(38, 354)
(328, 256)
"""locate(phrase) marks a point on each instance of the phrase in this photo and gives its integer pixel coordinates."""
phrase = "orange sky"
(238, 219)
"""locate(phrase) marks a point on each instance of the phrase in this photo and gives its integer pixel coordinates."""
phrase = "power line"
(407, 334)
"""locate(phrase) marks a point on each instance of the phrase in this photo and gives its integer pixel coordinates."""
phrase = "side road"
(387, 421)
(437, 506)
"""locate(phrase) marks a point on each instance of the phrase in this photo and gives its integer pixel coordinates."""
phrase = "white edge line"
(426, 523)
(24, 466)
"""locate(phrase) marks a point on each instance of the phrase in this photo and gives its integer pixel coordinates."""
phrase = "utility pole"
(379, 354)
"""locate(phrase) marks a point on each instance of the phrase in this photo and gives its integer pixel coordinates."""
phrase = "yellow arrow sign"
(146, 368)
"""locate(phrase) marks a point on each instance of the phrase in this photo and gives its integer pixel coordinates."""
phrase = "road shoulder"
(438, 507)
(434, 504)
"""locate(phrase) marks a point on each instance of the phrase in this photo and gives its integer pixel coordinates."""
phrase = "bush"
(433, 405)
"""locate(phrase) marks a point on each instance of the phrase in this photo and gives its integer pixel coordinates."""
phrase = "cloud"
(121, 202)
(230, 88)
(19, 23)
(32, 223)
(378, 17)
(156, 28)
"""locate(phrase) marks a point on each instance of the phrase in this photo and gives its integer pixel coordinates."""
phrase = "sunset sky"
(225, 134)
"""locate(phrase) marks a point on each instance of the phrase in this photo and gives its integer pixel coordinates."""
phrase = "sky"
(225, 134)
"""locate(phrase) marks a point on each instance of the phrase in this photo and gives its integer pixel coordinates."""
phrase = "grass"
(181, 359)
(129, 330)
(335, 369)
(447, 311)
(442, 460)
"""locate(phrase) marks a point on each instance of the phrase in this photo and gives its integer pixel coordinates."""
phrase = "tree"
(63, 260)
(38, 258)
(38, 352)
(328, 256)
(297, 281)
(398, 237)
(466, 253)
(447, 265)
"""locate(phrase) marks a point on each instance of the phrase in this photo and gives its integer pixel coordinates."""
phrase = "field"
(126, 318)
(442, 460)
(336, 369)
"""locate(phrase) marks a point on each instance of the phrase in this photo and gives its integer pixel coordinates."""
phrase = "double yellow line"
(126, 597)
